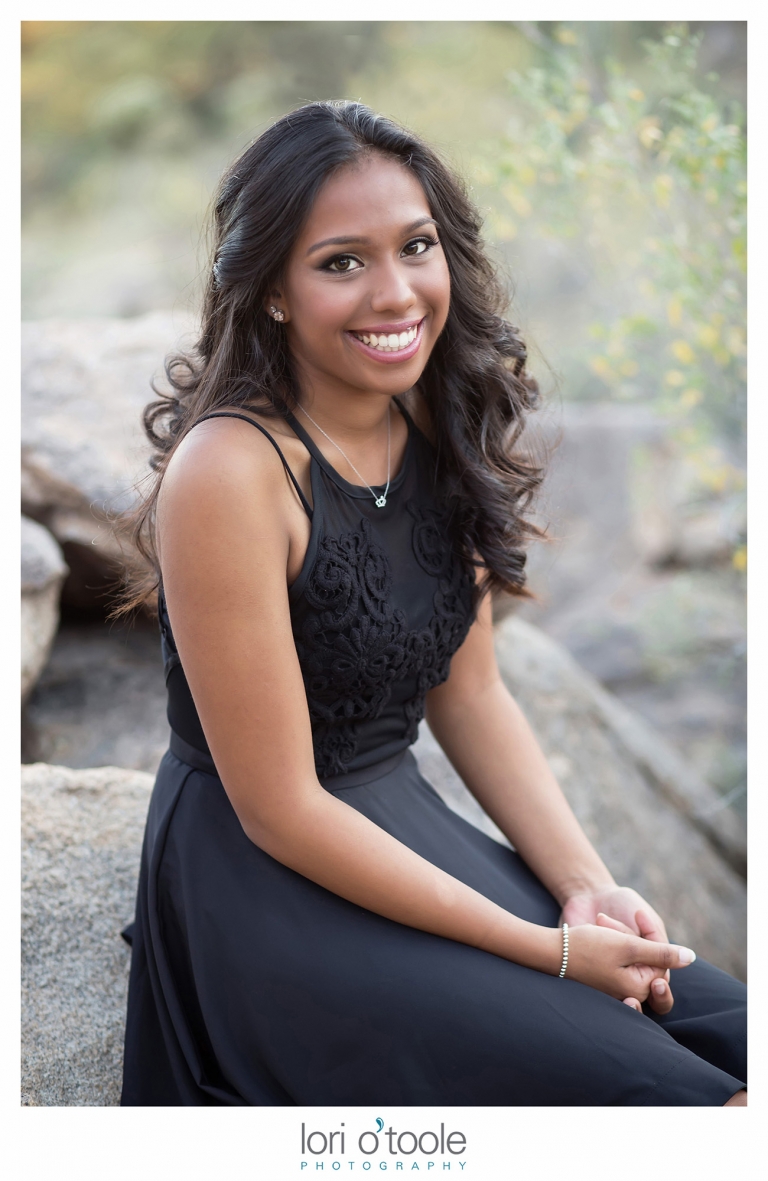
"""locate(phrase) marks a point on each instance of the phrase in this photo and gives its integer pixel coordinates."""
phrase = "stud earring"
(276, 314)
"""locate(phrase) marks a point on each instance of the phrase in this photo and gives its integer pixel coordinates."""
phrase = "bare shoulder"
(223, 457)
(225, 495)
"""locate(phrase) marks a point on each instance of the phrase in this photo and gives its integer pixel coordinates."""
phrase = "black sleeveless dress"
(252, 985)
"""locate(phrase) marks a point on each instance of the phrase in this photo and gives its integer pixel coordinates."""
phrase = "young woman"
(337, 492)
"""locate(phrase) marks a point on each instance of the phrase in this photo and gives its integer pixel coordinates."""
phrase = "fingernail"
(685, 955)
(658, 987)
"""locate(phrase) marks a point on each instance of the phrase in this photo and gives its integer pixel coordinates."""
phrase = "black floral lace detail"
(355, 645)
(351, 647)
(429, 539)
(433, 647)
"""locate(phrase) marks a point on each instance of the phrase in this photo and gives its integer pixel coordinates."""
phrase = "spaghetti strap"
(306, 439)
(245, 418)
(355, 490)
(312, 446)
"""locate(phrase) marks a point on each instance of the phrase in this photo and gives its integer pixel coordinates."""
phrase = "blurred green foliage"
(93, 87)
(127, 126)
(610, 167)
(647, 182)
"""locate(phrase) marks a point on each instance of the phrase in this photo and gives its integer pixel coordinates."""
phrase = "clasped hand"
(621, 909)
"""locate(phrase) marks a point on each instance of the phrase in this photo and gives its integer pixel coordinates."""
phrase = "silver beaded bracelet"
(565, 951)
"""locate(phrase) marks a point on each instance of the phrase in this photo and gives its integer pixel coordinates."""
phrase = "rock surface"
(43, 570)
(100, 700)
(637, 580)
(82, 836)
(85, 384)
(617, 493)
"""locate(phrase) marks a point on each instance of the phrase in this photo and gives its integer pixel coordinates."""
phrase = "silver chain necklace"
(379, 501)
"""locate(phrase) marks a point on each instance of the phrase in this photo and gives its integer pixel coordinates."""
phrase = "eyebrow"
(349, 241)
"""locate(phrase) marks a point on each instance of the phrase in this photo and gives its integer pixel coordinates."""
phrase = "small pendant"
(380, 501)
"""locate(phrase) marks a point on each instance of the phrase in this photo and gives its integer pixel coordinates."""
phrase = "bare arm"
(224, 529)
(488, 740)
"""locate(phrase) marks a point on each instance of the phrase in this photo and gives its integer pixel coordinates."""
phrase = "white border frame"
(628, 1144)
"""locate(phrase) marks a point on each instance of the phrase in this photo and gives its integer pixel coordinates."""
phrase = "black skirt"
(251, 985)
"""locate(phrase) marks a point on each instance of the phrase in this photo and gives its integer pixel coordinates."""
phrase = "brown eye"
(419, 246)
(343, 264)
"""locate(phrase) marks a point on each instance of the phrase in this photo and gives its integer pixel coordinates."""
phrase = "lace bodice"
(380, 606)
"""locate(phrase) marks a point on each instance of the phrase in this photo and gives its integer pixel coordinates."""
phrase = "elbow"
(284, 831)
(262, 835)
(278, 841)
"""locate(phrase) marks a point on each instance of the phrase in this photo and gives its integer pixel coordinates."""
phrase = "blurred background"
(609, 162)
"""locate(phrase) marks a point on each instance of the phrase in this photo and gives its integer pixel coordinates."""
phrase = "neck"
(345, 412)
(362, 435)
(355, 420)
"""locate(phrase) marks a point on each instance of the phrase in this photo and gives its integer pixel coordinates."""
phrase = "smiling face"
(366, 289)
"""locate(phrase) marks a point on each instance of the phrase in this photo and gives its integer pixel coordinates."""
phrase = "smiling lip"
(389, 358)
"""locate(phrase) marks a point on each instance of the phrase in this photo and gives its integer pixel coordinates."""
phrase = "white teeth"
(391, 342)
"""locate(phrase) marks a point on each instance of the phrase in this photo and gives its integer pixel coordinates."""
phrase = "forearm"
(332, 844)
(490, 743)
(329, 842)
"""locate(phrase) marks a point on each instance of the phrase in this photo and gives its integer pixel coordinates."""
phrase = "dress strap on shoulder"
(259, 427)
(312, 446)
(306, 438)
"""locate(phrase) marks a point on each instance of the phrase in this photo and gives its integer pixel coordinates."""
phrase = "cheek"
(437, 290)
(323, 308)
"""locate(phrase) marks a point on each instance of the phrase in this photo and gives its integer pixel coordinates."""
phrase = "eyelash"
(428, 241)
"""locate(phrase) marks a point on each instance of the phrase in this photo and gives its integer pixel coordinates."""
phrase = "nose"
(392, 291)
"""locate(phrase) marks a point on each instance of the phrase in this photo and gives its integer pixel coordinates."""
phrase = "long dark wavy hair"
(475, 382)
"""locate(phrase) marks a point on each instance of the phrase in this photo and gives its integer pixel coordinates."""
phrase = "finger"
(660, 997)
(659, 955)
(650, 926)
(605, 920)
(633, 1003)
